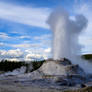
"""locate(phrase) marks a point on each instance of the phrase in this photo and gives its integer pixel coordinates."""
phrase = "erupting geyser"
(65, 33)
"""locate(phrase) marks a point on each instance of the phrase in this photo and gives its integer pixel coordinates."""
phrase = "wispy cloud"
(43, 37)
(24, 37)
(4, 35)
(1, 44)
(21, 45)
(30, 16)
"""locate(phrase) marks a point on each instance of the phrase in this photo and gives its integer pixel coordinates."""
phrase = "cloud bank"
(26, 55)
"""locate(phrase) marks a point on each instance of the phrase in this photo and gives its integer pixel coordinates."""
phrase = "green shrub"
(87, 56)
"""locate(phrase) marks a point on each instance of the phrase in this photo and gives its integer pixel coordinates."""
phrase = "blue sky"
(24, 32)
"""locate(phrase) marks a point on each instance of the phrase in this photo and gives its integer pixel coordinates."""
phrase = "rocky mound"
(61, 67)
(63, 72)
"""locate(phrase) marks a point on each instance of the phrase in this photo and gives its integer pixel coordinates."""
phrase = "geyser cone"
(61, 67)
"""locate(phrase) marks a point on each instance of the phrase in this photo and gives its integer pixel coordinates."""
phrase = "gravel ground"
(15, 84)
(11, 84)
(19, 88)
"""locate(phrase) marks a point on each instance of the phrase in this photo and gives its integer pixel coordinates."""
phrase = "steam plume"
(65, 37)
(65, 33)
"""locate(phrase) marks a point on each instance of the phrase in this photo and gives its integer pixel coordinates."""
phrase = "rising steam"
(65, 33)
(65, 36)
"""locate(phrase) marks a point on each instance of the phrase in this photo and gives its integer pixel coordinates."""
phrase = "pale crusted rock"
(61, 67)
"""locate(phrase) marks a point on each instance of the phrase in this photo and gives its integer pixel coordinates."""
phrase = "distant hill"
(87, 56)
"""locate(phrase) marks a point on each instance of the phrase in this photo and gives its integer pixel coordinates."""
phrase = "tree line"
(6, 65)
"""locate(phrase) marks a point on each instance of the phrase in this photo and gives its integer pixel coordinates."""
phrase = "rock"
(74, 69)
(52, 68)
(75, 80)
(63, 61)
(61, 81)
(63, 72)
(61, 67)
(83, 85)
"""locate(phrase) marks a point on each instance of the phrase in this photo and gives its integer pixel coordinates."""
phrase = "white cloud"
(2, 44)
(27, 45)
(44, 40)
(43, 37)
(17, 53)
(30, 57)
(13, 59)
(27, 55)
(48, 50)
(41, 49)
(4, 35)
(23, 37)
(40, 53)
(24, 45)
(30, 16)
